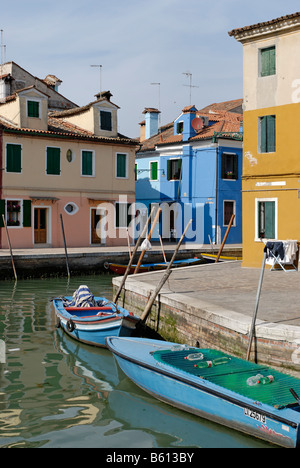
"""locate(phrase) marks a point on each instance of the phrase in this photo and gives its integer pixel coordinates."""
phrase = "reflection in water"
(56, 392)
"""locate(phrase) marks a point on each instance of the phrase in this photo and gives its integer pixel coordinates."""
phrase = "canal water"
(55, 392)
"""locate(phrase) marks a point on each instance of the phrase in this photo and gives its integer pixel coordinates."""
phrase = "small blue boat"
(93, 319)
(239, 394)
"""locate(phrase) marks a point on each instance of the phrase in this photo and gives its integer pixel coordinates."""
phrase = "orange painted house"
(60, 159)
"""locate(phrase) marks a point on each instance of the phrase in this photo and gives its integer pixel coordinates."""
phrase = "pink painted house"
(60, 159)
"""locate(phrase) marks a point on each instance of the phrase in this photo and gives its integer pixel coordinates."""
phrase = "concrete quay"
(212, 305)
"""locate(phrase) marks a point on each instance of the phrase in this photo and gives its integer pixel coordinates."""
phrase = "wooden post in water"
(164, 278)
(64, 238)
(256, 306)
(162, 248)
(225, 237)
(149, 237)
(128, 243)
(132, 257)
(10, 249)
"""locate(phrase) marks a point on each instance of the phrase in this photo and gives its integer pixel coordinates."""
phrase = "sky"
(137, 43)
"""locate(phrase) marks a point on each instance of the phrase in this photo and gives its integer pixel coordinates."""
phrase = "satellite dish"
(197, 123)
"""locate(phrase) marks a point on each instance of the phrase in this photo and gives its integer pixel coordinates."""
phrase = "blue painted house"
(192, 168)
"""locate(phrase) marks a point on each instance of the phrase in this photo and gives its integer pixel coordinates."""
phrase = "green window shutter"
(121, 165)
(266, 220)
(271, 133)
(153, 170)
(263, 134)
(2, 212)
(117, 211)
(26, 213)
(169, 169)
(268, 61)
(105, 120)
(268, 134)
(180, 168)
(235, 166)
(13, 158)
(53, 161)
(87, 163)
(33, 109)
(272, 60)
(270, 220)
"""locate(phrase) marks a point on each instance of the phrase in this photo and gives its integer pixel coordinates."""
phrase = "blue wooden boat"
(242, 395)
(92, 325)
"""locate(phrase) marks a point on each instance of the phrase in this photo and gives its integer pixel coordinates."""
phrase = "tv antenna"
(158, 85)
(188, 74)
(2, 48)
(100, 67)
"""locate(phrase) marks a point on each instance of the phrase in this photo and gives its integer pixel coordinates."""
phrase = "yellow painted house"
(271, 162)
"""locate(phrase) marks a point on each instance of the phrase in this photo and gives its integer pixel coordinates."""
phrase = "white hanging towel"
(146, 245)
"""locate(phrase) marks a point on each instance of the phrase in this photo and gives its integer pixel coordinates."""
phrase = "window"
(13, 158)
(267, 129)
(153, 170)
(174, 169)
(121, 165)
(266, 219)
(268, 61)
(122, 216)
(17, 213)
(33, 109)
(13, 211)
(179, 127)
(71, 208)
(53, 161)
(87, 163)
(229, 166)
(105, 120)
(228, 211)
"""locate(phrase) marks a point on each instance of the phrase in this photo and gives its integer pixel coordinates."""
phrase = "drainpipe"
(216, 206)
(1, 174)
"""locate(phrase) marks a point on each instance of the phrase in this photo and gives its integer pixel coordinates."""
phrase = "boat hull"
(94, 330)
(204, 399)
(121, 269)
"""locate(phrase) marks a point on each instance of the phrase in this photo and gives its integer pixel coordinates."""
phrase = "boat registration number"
(255, 415)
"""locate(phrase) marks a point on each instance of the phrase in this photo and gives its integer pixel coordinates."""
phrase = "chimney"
(151, 122)
(103, 95)
(142, 130)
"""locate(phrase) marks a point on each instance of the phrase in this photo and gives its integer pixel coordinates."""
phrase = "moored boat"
(120, 268)
(93, 321)
(239, 394)
(211, 258)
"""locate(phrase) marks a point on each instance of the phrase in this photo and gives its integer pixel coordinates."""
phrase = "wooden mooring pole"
(132, 256)
(149, 237)
(225, 237)
(10, 249)
(64, 238)
(166, 275)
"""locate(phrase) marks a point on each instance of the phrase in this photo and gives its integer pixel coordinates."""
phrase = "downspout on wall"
(1, 175)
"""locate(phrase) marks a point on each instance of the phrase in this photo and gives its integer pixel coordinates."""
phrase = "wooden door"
(40, 225)
(95, 219)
